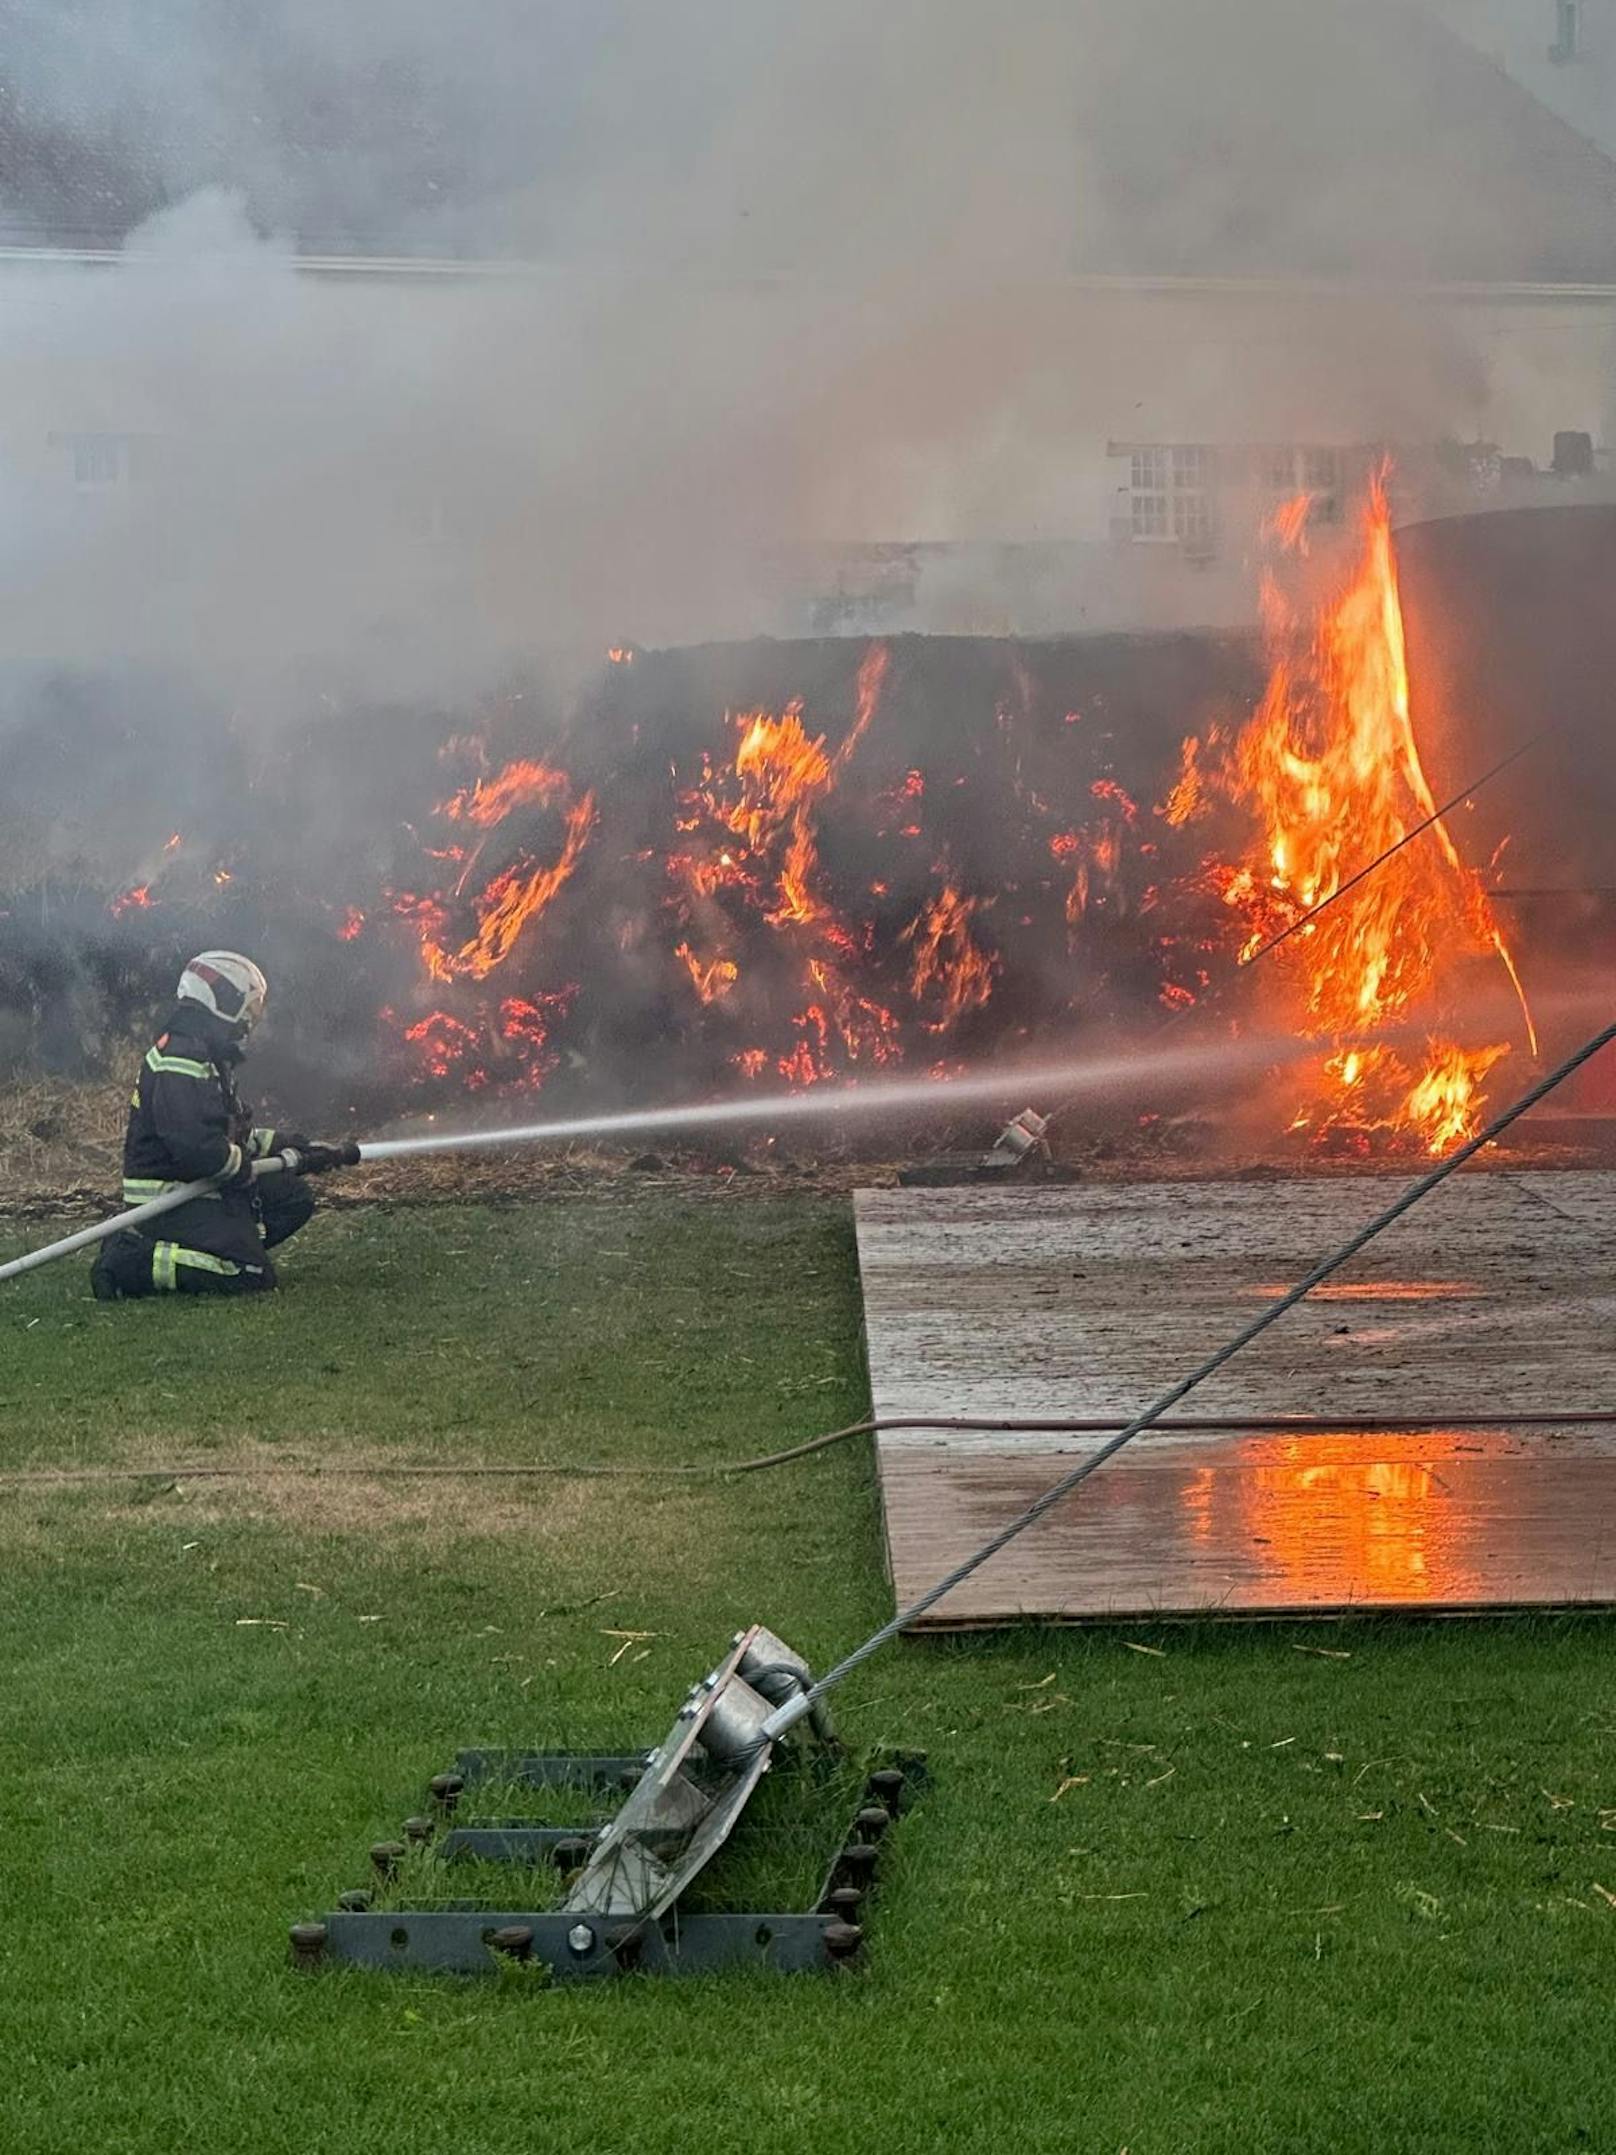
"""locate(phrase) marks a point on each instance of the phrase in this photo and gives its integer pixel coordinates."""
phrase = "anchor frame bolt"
(308, 1943)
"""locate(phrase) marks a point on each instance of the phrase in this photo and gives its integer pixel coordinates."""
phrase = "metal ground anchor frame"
(627, 1870)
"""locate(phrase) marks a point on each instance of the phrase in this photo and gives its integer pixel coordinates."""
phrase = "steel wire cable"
(1323, 905)
(1415, 1194)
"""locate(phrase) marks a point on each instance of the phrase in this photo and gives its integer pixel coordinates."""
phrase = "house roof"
(1319, 139)
(1332, 139)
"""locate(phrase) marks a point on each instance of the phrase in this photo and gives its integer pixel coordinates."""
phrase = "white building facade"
(1563, 51)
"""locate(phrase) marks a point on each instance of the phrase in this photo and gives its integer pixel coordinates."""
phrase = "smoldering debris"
(405, 362)
(743, 900)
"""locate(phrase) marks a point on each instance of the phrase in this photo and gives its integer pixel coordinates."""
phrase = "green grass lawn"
(1230, 1893)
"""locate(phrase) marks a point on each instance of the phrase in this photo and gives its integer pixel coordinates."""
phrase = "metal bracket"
(626, 1871)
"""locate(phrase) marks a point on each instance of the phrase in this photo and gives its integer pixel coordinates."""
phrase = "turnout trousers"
(213, 1245)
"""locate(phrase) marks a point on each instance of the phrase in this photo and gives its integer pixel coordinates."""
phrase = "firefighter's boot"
(123, 1268)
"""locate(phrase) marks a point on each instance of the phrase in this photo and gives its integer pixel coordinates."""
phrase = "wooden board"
(1498, 1294)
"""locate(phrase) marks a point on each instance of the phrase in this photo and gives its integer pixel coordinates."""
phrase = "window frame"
(1172, 494)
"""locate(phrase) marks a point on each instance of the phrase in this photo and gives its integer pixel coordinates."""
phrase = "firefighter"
(187, 1123)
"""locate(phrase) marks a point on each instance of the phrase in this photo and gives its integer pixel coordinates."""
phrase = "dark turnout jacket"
(186, 1120)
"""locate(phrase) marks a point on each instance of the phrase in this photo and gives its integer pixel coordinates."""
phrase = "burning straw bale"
(774, 866)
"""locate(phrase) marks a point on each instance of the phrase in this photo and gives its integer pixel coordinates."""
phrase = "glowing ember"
(526, 1024)
(448, 1046)
(900, 805)
(132, 901)
(713, 980)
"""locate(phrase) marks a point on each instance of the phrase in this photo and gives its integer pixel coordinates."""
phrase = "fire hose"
(768, 1108)
(1032, 1128)
(287, 1162)
(718, 1470)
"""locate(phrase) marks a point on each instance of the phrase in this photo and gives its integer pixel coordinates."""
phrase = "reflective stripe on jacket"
(186, 1122)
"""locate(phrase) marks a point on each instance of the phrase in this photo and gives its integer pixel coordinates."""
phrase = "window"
(1567, 30)
(1149, 491)
(1316, 472)
(1170, 495)
(1192, 496)
(98, 462)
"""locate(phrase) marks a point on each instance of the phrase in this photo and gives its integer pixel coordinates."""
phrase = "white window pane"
(1150, 516)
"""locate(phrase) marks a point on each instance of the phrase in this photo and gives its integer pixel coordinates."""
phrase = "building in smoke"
(965, 335)
(1563, 51)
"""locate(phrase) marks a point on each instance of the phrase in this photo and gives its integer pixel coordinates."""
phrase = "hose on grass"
(785, 1717)
(1251, 1425)
(135, 1216)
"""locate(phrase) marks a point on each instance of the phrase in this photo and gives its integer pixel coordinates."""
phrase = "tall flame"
(1331, 768)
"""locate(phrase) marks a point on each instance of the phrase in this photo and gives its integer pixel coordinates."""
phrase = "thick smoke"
(443, 348)
(766, 278)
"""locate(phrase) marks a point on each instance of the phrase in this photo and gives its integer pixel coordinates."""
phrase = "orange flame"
(950, 972)
(751, 831)
(512, 899)
(1286, 526)
(1331, 767)
(1186, 801)
(491, 800)
(713, 978)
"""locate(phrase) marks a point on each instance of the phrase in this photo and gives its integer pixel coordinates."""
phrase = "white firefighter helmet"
(229, 985)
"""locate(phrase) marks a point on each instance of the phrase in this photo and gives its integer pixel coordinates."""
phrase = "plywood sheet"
(1497, 1295)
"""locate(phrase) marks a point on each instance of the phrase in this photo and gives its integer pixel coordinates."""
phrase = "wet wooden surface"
(1497, 1295)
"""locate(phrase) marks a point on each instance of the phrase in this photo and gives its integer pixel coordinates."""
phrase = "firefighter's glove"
(321, 1159)
(242, 1179)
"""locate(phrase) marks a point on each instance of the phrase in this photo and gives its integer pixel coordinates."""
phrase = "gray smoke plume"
(764, 277)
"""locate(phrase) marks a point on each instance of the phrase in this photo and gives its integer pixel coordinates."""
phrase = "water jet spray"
(1092, 1075)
